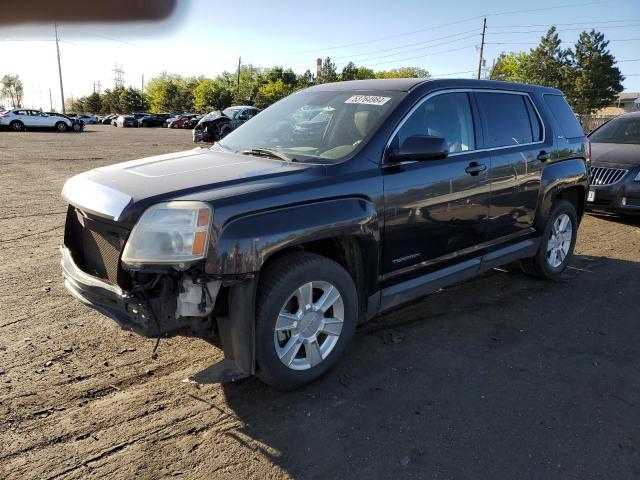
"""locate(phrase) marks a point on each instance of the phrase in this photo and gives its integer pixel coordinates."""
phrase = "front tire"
(61, 126)
(558, 241)
(77, 127)
(306, 315)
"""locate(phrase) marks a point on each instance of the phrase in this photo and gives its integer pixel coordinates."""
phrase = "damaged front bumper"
(159, 315)
(186, 306)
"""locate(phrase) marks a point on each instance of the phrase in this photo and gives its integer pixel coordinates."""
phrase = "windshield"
(231, 111)
(622, 130)
(315, 124)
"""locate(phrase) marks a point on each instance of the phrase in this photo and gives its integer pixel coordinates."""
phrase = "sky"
(205, 38)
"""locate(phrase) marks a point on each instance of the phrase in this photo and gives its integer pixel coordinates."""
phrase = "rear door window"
(564, 116)
(507, 119)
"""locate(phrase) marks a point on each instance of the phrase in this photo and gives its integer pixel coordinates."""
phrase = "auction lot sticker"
(367, 100)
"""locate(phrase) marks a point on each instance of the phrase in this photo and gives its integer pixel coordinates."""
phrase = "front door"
(436, 208)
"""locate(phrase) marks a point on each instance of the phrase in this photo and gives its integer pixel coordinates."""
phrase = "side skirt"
(420, 286)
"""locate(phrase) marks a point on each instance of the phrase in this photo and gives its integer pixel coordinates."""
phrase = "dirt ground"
(499, 377)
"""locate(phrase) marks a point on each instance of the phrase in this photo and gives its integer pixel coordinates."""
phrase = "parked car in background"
(615, 167)
(283, 243)
(125, 121)
(107, 119)
(216, 125)
(19, 119)
(154, 119)
(88, 119)
(192, 122)
(179, 121)
(76, 124)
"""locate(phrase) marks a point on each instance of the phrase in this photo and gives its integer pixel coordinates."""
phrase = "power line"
(412, 44)
(413, 50)
(566, 24)
(537, 43)
(415, 57)
(448, 24)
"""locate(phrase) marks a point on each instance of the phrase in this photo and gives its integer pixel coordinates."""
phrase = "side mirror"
(420, 147)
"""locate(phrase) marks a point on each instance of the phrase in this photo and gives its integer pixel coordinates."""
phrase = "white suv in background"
(19, 119)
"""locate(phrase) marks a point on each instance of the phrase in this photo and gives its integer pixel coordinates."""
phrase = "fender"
(245, 243)
(556, 177)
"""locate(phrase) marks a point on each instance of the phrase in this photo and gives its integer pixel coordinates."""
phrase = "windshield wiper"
(267, 152)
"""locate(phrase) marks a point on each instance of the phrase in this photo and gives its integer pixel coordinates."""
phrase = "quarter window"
(507, 119)
(448, 116)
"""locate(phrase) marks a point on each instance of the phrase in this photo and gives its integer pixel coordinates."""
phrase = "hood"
(109, 191)
(618, 155)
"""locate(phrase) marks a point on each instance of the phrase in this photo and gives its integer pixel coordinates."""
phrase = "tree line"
(260, 87)
(586, 73)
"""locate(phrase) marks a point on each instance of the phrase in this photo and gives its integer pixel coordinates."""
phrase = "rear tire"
(61, 126)
(17, 126)
(77, 127)
(298, 340)
(557, 244)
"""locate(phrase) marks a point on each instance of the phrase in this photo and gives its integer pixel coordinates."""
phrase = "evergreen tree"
(597, 79)
(349, 72)
(549, 64)
(328, 72)
(93, 103)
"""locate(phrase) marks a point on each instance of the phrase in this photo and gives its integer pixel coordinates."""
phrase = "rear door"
(25, 117)
(435, 210)
(515, 136)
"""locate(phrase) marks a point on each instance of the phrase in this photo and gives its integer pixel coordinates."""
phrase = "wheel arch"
(567, 179)
(344, 230)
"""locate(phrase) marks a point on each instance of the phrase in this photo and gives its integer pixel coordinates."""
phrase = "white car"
(19, 119)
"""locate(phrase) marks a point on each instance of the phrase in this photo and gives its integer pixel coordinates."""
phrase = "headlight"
(170, 233)
(637, 179)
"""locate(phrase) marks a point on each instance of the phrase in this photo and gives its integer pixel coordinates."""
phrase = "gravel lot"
(499, 377)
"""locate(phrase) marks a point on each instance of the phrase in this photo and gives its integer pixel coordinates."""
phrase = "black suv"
(282, 238)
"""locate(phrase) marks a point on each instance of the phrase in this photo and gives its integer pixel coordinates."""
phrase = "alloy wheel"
(559, 241)
(309, 325)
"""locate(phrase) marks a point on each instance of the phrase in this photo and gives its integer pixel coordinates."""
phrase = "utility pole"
(55, 26)
(484, 27)
(239, 64)
(50, 101)
(142, 83)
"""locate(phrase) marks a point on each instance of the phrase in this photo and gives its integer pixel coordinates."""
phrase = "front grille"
(606, 176)
(95, 244)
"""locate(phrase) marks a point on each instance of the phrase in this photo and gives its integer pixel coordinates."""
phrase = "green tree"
(272, 92)
(328, 72)
(510, 67)
(549, 64)
(211, 94)
(597, 79)
(349, 72)
(404, 72)
(171, 92)
(110, 101)
(306, 79)
(93, 103)
(132, 100)
(364, 73)
(12, 89)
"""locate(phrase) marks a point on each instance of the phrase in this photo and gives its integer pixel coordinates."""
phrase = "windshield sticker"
(368, 100)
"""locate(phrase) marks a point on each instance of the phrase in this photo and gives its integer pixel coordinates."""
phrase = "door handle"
(544, 156)
(475, 168)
